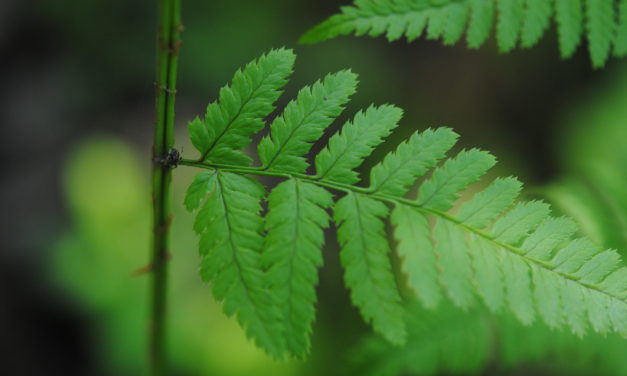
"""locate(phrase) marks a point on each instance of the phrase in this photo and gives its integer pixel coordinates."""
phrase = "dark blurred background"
(76, 107)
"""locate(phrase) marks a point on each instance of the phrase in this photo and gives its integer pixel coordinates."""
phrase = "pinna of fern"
(510, 256)
(518, 22)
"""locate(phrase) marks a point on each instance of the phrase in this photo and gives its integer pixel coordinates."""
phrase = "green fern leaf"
(491, 202)
(547, 295)
(550, 234)
(456, 174)
(368, 271)
(437, 23)
(197, 191)
(292, 254)
(598, 312)
(517, 280)
(593, 271)
(454, 262)
(536, 21)
(416, 23)
(601, 28)
(456, 18)
(517, 223)
(571, 297)
(229, 224)
(415, 248)
(616, 283)
(348, 148)
(240, 109)
(519, 259)
(304, 120)
(481, 19)
(569, 17)
(411, 160)
(510, 16)
(524, 21)
(488, 275)
(573, 256)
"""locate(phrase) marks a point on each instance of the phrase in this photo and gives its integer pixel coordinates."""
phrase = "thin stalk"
(168, 43)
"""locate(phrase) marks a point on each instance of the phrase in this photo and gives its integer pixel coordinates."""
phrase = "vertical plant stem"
(168, 43)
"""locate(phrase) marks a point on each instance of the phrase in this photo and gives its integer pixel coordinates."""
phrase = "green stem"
(392, 200)
(168, 43)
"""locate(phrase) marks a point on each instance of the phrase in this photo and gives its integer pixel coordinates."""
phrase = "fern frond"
(238, 113)
(292, 254)
(516, 257)
(364, 255)
(229, 224)
(518, 22)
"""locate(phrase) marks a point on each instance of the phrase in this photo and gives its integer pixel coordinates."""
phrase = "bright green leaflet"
(230, 228)
(510, 256)
(292, 253)
(239, 112)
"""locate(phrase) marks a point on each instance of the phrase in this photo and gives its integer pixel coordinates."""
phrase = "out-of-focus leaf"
(594, 154)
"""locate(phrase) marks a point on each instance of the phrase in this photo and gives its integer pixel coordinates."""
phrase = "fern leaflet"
(355, 141)
(229, 224)
(292, 252)
(304, 121)
(239, 112)
(368, 271)
(510, 256)
(518, 22)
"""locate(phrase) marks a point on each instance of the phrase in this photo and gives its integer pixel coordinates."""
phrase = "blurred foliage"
(593, 188)
(518, 23)
(451, 341)
(107, 191)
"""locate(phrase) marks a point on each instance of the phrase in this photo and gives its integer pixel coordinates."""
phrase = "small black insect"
(171, 159)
